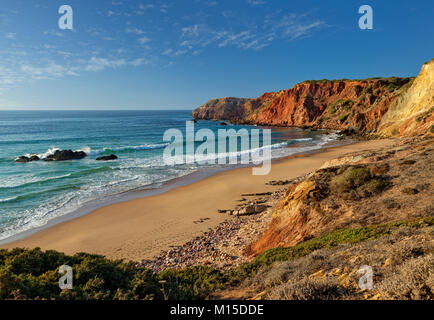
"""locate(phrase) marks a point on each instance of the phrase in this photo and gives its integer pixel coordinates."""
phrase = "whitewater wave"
(88, 150)
(34, 181)
(136, 148)
(8, 199)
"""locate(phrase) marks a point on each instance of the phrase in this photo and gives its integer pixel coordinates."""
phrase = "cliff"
(413, 111)
(377, 105)
(365, 188)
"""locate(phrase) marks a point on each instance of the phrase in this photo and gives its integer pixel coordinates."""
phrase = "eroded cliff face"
(390, 106)
(412, 114)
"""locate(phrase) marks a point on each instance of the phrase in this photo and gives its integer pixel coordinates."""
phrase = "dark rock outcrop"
(34, 158)
(24, 159)
(107, 158)
(63, 155)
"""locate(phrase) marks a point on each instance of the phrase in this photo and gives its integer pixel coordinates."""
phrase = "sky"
(128, 54)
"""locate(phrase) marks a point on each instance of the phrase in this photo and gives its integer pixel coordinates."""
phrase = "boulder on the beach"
(107, 158)
(62, 155)
(251, 209)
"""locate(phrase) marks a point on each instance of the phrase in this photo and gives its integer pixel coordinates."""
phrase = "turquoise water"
(32, 194)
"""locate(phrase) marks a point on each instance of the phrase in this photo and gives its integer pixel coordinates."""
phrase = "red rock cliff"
(327, 104)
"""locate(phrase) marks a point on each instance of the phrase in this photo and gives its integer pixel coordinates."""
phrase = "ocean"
(36, 193)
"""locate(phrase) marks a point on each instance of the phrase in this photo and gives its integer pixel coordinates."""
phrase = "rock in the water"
(34, 158)
(22, 159)
(107, 158)
(223, 124)
(62, 155)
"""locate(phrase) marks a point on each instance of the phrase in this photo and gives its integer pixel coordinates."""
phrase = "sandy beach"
(142, 228)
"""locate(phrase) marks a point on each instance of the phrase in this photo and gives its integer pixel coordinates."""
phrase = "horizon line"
(93, 109)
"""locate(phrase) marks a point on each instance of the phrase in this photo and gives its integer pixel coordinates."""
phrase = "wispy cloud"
(53, 70)
(293, 26)
(135, 31)
(52, 32)
(165, 36)
(276, 27)
(255, 2)
(144, 40)
(98, 64)
(10, 35)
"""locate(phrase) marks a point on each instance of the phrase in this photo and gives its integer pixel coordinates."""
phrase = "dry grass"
(308, 289)
(413, 280)
(402, 262)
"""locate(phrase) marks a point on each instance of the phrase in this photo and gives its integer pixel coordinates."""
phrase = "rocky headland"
(378, 106)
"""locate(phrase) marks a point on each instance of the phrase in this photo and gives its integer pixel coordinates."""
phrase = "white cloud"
(10, 35)
(111, 13)
(52, 70)
(135, 31)
(180, 53)
(145, 6)
(98, 64)
(293, 26)
(168, 52)
(138, 62)
(255, 2)
(235, 39)
(144, 40)
(163, 8)
(191, 31)
(56, 33)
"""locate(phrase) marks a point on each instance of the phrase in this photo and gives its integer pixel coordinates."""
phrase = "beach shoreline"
(141, 228)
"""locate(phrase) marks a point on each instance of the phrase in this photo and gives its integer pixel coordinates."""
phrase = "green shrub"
(352, 178)
(373, 187)
(357, 182)
(332, 109)
(343, 118)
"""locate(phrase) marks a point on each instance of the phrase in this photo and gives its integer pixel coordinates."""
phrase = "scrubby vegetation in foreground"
(33, 274)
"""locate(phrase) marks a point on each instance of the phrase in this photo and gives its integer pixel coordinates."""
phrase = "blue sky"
(128, 54)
